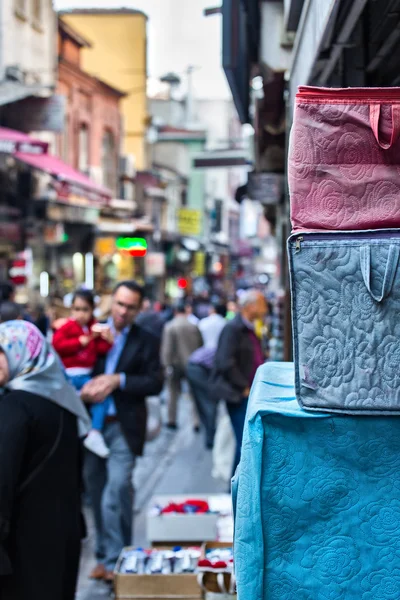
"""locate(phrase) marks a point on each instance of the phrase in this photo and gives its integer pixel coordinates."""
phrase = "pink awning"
(12, 141)
(66, 175)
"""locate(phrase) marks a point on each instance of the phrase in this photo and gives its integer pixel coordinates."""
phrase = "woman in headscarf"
(41, 418)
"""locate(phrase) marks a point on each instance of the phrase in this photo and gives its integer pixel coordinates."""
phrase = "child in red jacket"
(79, 343)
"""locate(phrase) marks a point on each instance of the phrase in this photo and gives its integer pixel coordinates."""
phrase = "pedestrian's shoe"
(96, 444)
(98, 573)
(172, 426)
(196, 428)
(109, 577)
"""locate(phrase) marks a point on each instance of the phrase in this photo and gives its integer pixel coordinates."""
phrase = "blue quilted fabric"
(316, 500)
(346, 325)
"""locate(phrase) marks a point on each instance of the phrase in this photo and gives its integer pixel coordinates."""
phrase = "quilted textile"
(341, 176)
(346, 325)
(316, 500)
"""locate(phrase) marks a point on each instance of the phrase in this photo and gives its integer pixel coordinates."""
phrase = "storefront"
(112, 262)
(64, 208)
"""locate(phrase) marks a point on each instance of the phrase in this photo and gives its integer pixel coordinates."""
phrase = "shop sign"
(72, 214)
(104, 246)
(189, 221)
(266, 188)
(54, 234)
(76, 195)
(39, 114)
(199, 266)
(18, 272)
(10, 147)
(155, 264)
(136, 247)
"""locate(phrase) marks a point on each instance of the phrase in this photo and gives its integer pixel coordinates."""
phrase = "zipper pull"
(298, 243)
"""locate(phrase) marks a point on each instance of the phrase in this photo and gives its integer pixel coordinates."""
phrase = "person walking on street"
(238, 356)
(79, 344)
(130, 372)
(10, 311)
(180, 339)
(191, 317)
(41, 418)
(200, 367)
(151, 320)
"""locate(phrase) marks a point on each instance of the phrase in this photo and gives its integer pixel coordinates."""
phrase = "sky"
(178, 36)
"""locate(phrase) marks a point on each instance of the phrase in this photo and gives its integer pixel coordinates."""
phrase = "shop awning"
(69, 181)
(12, 141)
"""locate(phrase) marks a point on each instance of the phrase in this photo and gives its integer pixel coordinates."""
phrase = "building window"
(109, 161)
(65, 140)
(83, 156)
(37, 11)
(20, 8)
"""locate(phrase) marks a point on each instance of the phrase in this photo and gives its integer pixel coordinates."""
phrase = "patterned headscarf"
(35, 367)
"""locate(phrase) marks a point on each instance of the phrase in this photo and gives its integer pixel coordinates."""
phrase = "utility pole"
(189, 96)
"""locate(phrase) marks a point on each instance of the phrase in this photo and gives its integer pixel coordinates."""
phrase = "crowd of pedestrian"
(48, 375)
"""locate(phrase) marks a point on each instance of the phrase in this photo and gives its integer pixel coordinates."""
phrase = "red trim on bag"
(319, 95)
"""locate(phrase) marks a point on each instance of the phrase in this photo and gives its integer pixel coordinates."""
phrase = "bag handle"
(390, 270)
(374, 116)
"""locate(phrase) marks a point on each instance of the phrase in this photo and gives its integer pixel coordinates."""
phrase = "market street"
(175, 463)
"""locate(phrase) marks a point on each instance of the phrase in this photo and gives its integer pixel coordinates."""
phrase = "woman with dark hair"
(80, 342)
(41, 418)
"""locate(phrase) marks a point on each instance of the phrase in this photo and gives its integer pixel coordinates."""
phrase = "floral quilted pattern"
(335, 533)
(347, 343)
(339, 177)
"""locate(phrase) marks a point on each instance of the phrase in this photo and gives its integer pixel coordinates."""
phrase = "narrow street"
(174, 463)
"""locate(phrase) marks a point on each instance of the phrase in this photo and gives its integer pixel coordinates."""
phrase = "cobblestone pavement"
(174, 463)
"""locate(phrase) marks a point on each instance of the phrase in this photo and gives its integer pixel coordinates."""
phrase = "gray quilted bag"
(346, 320)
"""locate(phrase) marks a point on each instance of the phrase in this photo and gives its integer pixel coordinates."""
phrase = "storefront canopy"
(12, 141)
(70, 181)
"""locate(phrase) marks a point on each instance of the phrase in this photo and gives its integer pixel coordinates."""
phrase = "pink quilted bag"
(344, 158)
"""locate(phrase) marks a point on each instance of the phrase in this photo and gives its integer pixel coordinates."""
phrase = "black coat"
(40, 526)
(234, 362)
(140, 361)
(151, 321)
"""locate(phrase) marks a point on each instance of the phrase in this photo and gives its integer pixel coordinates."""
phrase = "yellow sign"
(189, 221)
(199, 264)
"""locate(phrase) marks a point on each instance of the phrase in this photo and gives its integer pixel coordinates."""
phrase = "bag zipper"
(362, 235)
(315, 94)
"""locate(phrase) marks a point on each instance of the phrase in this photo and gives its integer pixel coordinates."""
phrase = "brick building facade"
(93, 126)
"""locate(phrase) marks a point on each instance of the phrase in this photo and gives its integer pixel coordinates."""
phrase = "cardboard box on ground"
(129, 586)
(185, 586)
(183, 528)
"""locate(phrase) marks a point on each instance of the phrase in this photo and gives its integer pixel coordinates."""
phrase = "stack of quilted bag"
(344, 180)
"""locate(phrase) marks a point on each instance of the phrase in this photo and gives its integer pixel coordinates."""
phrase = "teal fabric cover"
(316, 500)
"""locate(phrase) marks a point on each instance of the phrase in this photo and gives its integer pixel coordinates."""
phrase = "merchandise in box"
(193, 527)
(142, 586)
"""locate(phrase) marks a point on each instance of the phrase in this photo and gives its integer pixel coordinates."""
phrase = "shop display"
(346, 302)
(181, 519)
(315, 499)
(216, 573)
(164, 573)
(146, 562)
(344, 158)
(176, 572)
(186, 507)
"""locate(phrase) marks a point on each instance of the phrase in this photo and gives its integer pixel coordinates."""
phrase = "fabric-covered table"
(316, 500)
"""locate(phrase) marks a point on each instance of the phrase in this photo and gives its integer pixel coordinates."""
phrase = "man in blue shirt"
(130, 372)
